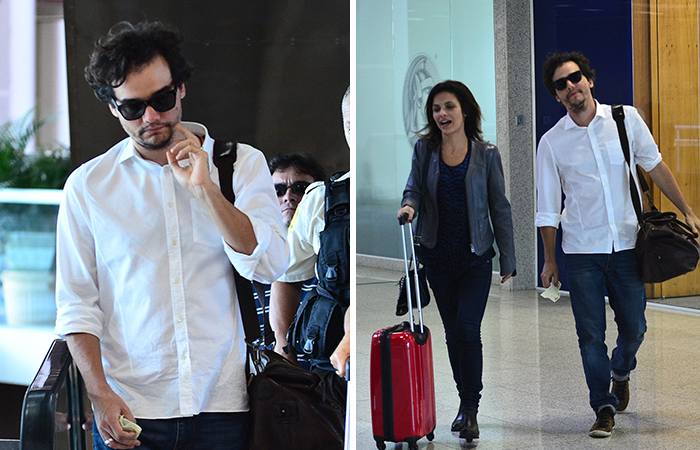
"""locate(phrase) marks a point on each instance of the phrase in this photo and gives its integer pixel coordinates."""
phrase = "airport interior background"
(645, 53)
(266, 73)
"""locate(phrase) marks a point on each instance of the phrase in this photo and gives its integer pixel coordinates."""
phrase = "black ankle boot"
(460, 420)
(470, 429)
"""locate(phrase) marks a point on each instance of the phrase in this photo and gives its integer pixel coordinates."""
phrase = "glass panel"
(404, 48)
(27, 257)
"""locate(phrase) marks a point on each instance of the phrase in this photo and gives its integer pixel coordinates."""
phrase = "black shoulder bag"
(666, 247)
(290, 407)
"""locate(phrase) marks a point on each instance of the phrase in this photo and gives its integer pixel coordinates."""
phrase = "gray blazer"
(486, 198)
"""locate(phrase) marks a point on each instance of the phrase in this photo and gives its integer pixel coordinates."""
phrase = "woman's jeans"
(205, 431)
(461, 301)
(589, 276)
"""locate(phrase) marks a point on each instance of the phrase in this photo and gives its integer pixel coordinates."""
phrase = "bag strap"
(225, 155)
(619, 116)
(337, 192)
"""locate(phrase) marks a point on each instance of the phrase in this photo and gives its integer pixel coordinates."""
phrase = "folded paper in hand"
(552, 292)
(128, 425)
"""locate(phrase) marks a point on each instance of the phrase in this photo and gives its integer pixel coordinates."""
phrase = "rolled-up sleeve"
(548, 187)
(645, 151)
(255, 196)
(77, 296)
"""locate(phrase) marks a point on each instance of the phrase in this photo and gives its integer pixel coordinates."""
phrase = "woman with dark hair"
(456, 190)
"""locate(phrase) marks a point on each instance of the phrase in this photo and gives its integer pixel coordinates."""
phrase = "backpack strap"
(331, 263)
(225, 155)
(337, 193)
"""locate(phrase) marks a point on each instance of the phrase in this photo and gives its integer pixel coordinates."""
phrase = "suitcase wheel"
(380, 444)
(430, 436)
(412, 446)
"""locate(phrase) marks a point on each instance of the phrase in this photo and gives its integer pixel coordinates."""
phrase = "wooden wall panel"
(642, 75)
(642, 59)
(676, 119)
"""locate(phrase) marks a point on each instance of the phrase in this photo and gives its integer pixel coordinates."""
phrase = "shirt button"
(174, 242)
(180, 319)
(183, 357)
(170, 204)
(177, 281)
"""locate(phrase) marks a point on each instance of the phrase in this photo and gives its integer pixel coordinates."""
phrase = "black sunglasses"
(297, 188)
(160, 101)
(560, 84)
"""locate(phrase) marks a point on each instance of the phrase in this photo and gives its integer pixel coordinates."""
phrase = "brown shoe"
(621, 390)
(604, 423)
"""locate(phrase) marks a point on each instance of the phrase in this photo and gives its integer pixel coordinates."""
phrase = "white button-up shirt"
(588, 164)
(141, 265)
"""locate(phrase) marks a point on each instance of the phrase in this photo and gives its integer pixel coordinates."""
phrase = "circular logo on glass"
(421, 76)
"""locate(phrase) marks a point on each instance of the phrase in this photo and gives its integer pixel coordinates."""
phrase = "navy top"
(453, 249)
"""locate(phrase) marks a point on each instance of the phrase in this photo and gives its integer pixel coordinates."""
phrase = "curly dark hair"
(472, 121)
(554, 60)
(303, 164)
(126, 48)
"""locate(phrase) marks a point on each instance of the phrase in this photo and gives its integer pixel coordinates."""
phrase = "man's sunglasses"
(297, 188)
(560, 84)
(160, 101)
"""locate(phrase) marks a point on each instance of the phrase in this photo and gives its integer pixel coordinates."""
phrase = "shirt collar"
(200, 130)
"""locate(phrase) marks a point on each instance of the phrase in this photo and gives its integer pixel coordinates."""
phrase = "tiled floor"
(535, 395)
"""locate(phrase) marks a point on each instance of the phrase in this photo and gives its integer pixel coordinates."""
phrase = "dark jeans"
(461, 301)
(206, 431)
(589, 275)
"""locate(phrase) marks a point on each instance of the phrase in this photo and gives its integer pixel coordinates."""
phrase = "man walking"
(582, 155)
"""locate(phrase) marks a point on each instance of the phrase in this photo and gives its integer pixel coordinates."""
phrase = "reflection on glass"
(27, 263)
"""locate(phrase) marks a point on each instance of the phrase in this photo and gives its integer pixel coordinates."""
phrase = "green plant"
(45, 169)
(42, 169)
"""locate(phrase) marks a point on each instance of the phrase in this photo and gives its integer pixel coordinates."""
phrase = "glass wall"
(404, 48)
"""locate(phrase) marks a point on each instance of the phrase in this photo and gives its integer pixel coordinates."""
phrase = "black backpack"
(319, 323)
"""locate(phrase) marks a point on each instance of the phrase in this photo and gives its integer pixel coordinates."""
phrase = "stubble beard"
(578, 105)
(155, 145)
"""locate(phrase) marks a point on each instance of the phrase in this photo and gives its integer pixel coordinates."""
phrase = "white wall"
(52, 76)
(33, 66)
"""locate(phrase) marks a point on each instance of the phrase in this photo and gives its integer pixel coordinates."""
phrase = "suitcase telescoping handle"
(403, 221)
(348, 445)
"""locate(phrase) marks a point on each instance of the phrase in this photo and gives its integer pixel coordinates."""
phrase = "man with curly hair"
(582, 155)
(145, 243)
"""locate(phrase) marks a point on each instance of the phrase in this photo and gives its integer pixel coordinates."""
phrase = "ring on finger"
(109, 441)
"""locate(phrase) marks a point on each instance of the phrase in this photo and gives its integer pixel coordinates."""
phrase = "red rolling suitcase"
(402, 385)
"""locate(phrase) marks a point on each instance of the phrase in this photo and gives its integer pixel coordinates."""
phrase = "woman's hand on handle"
(408, 213)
